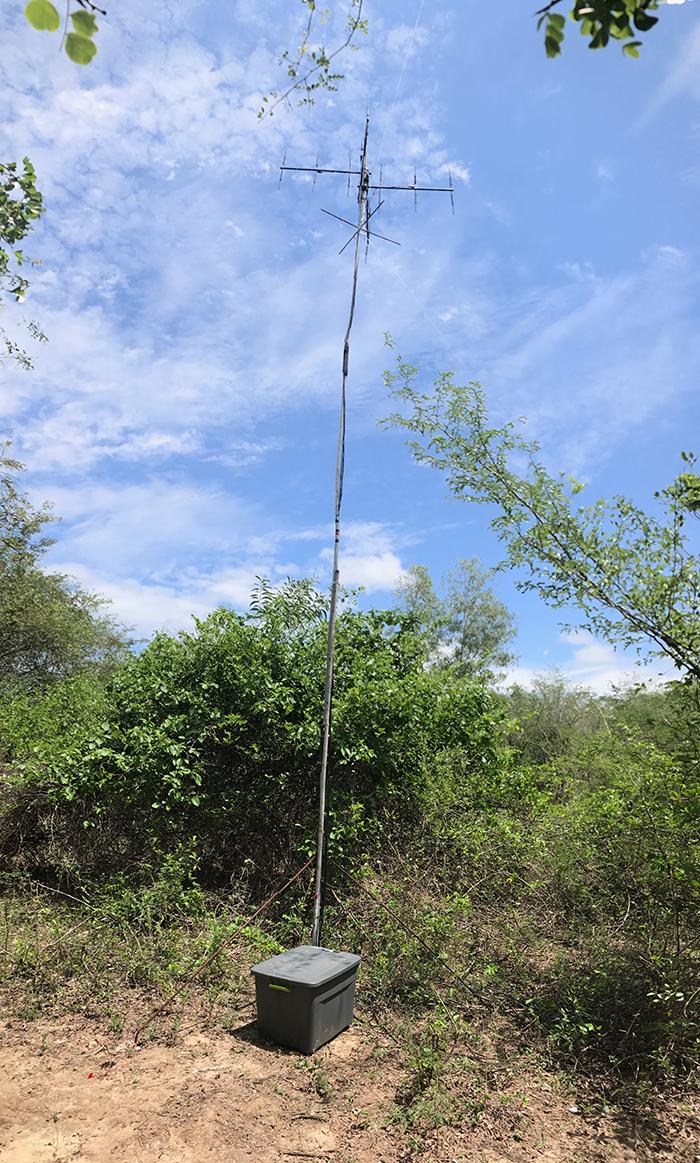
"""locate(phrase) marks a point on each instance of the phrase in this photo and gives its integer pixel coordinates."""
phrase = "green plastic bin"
(305, 997)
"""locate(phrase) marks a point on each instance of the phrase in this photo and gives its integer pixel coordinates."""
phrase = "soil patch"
(67, 1091)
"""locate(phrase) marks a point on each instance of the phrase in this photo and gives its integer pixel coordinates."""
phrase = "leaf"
(42, 15)
(643, 21)
(552, 46)
(84, 23)
(632, 48)
(80, 48)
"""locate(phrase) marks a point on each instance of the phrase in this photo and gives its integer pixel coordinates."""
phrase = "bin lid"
(307, 965)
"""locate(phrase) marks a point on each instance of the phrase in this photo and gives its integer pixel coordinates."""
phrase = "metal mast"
(361, 230)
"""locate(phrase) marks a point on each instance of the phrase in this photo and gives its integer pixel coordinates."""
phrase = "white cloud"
(378, 571)
(406, 40)
(368, 556)
(644, 323)
(166, 549)
(149, 606)
(159, 525)
(594, 665)
(683, 78)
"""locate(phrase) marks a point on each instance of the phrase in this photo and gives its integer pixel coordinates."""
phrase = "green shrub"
(213, 737)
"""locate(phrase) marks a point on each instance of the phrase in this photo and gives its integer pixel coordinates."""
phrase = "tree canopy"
(49, 627)
(21, 204)
(601, 22)
(632, 574)
(468, 628)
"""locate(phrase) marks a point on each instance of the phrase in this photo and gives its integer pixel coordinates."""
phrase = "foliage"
(687, 489)
(466, 630)
(94, 951)
(621, 842)
(311, 67)
(215, 735)
(79, 42)
(631, 574)
(550, 716)
(50, 722)
(599, 21)
(567, 905)
(21, 205)
(545, 892)
(668, 718)
(49, 627)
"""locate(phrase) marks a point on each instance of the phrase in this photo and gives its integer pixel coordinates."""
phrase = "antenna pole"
(319, 882)
(362, 229)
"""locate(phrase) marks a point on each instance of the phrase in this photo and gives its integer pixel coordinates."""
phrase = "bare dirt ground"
(68, 1091)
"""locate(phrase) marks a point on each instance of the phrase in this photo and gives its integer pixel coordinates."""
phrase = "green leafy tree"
(49, 627)
(600, 21)
(632, 574)
(416, 595)
(477, 623)
(551, 717)
(21, 205)
(468, 628)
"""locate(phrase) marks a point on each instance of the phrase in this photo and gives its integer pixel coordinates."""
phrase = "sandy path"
(65, 1095)
(68, 1092)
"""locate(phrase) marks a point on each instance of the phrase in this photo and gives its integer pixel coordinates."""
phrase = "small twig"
(690, 999)
(60, 892)
(627, 913)
(65, 27)
(305, 1155)
(301, 82)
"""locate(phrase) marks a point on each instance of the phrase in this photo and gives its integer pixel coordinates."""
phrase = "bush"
(213, 738)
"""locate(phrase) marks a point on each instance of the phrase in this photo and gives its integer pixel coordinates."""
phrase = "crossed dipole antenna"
(367, 191)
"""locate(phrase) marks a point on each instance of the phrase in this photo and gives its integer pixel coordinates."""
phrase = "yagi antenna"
(365, 214)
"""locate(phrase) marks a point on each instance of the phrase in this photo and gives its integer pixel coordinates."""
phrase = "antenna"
(361, 228)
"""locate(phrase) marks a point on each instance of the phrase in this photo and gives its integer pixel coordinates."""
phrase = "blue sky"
(182, 416)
